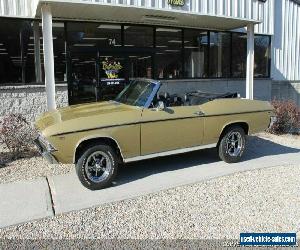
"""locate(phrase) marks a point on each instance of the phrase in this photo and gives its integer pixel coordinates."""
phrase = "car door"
(170, 129)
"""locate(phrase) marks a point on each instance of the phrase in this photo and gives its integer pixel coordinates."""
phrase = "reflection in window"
(168, 38)
(138, 36)
(168, 64)
(262, 56)
(59, 49)
(17, 66)
(195, 51)
(219, 54)
(239, 55)
(140, 66)
(84, 79)
(94, 35)
(168, 53)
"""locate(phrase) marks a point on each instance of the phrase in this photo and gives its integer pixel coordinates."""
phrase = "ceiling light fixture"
(177, 41)
(160, 18)
(95, 38)
(167, 30)
(109, 26)
(41, 38)
(84, 45)
(172, 50)
(146, 57)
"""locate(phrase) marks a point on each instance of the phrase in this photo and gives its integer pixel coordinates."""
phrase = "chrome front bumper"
(44, 151)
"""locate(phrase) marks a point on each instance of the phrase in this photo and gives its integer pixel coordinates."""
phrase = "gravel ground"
(31, 168)
(266, 200)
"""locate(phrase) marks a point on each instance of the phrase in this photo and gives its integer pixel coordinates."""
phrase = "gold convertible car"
(143, 123)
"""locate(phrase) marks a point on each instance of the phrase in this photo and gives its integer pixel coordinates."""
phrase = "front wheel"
(97, 166)
(232, 144)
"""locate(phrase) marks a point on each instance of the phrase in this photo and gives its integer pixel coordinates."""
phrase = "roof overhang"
(90, 11)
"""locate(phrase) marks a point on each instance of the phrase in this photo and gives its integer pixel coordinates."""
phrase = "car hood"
(86, 116)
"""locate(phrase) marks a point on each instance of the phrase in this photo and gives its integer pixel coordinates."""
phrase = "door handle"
(199, 113)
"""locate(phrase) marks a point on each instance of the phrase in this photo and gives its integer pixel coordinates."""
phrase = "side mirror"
(161, 106)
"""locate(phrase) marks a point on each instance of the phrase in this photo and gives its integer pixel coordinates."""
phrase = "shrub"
(288, 117)
(16, 134)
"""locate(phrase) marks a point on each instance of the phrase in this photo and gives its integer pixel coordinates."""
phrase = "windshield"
(136, 93)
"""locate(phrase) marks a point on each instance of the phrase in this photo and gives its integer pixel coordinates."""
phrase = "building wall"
(18, 8)
(286, 42)
(248, 9)
(29, 100)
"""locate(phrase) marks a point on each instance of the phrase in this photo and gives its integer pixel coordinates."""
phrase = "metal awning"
(91, 11)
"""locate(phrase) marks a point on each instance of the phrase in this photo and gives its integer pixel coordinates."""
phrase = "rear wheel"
(232, 144)
(97, 166)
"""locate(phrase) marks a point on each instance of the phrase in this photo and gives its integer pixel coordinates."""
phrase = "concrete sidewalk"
(31, 199)
(24, 201)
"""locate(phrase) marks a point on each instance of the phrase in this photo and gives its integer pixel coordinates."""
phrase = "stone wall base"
(29, 100)
(284, 90)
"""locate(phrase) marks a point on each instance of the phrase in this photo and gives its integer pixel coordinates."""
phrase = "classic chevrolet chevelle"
(142, 123)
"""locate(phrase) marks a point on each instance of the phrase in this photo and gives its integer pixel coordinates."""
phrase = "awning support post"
(250, 62)
(37, 54)
(48, 56)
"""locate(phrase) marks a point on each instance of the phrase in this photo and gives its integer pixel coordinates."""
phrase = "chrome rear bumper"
(44, 152)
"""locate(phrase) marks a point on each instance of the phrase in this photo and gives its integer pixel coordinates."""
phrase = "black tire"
(226, 154)
(85, 176)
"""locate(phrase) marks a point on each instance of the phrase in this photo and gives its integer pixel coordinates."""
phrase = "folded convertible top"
(198, 97)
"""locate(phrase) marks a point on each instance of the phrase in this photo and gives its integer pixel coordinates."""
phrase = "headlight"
(273, 119)
(46, 144)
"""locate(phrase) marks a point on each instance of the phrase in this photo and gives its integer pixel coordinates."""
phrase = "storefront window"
(168, 38)
(84, 78)
(140, 66)
(219, 57)
(94, 35)
(239, 55)
(146, 51)
(138, 36)
(195, 53)
(168, 64)
(59, 50)
(16, 64)
(168, 57)
(262, 56)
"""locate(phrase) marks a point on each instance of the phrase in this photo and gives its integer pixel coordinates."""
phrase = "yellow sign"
(176, 2)
(111, 68)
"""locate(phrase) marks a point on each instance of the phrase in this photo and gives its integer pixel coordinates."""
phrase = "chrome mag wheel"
(234, 144)
(98, 166)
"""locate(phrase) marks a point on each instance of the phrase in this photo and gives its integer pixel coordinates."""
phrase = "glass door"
(113, 78)
(117, 68)
(83, 81)
(102, 75)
